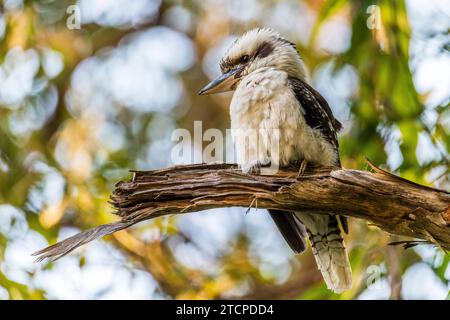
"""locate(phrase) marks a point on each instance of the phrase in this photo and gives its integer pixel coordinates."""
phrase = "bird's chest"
(268, 125)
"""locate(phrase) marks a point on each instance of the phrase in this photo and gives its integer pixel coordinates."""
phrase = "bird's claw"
(252, 167)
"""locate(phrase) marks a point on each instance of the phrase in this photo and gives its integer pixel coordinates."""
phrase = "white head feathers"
(264, 48)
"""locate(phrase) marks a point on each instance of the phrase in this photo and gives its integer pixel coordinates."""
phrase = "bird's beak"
(223, 83)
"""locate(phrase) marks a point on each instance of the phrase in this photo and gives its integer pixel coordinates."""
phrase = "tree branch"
(394, 204)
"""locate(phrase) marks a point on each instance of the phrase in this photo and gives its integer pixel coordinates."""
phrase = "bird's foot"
(302, 169)
(252, 167)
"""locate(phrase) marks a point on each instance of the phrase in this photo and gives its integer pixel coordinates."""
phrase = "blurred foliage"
(70, 128)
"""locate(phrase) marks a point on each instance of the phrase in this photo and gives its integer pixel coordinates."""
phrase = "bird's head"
(254, 50)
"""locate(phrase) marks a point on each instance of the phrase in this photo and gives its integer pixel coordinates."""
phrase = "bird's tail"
(293, 231)
(329, 251)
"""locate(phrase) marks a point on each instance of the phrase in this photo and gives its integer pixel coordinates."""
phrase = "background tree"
(79, 107)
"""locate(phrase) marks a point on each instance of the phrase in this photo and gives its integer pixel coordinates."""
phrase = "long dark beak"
(223, 83)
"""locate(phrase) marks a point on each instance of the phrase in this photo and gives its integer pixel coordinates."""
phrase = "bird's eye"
(245, 59)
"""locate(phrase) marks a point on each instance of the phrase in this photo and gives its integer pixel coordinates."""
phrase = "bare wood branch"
(394, 204)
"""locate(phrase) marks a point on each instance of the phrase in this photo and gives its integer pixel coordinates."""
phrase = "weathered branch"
(392, 203)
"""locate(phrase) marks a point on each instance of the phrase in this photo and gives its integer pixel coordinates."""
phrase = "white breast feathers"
(268, 125)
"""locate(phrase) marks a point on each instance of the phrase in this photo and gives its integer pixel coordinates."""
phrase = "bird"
(272, 94)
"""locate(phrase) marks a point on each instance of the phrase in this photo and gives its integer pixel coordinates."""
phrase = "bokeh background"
(80, 107)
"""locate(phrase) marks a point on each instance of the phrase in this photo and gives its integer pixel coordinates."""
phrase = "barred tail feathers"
(329, 250)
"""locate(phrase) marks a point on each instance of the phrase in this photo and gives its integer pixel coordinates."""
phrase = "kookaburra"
(272, 93)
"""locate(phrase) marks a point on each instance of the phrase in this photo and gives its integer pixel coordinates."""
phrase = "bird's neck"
(298, 70)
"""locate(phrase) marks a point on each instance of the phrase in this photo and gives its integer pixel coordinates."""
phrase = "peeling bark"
(394, 204)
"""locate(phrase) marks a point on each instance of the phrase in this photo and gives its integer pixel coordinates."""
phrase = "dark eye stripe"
(264, 49)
